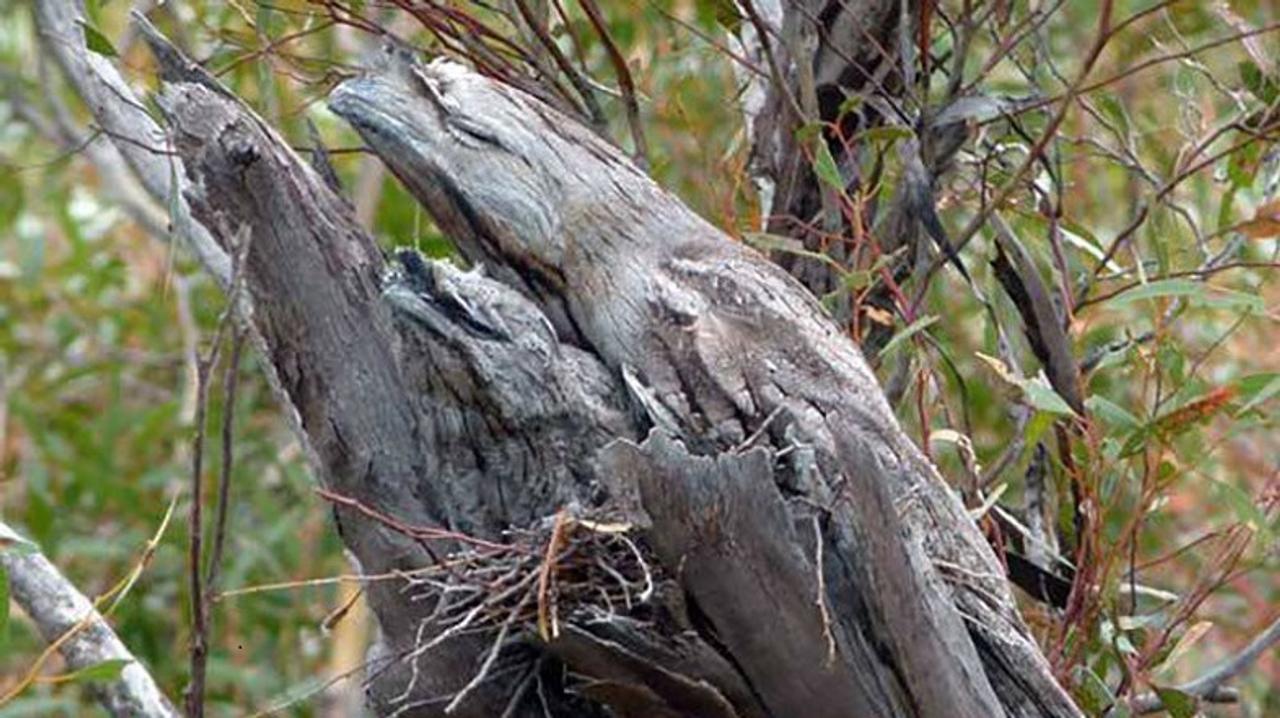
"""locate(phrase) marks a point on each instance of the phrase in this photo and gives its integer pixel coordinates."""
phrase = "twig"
(546, 573)
(1209, 686)
(322, 687)
(492, 656)
(522, 688)
(822, 592)
(194, 693)
(200, 595)
(230, 380)
(625, 82)
(579, 82)
(417, 532)
(74, 627)
(1105, 33)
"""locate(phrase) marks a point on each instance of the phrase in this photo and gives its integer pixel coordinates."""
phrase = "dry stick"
(78, 628)
(517, 695)
(776, 71)
(492, 656)
(230, 380)
(1032, 23)
(547, 629)
(323, 581)
(625, 82)
(1127, 233)
(821, 600)
(579, 82)
(1152, 62)
(323, 686)
(270, 48)
(417, 532)
(194, 692)
(200, 596)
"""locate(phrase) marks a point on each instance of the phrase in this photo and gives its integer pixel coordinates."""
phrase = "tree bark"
(723, 349)
(803, 554)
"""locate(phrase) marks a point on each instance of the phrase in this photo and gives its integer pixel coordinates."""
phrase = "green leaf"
(4, 608)
(1114, 111)
(766, 242)
(824, 165)
(1198, 293)
(808, 131)
(849, 104)
(1225, 207)
(1256, 390)
(97, 42)
(725, 12)
(857, 279)
(1112, 413)
(93, 9)
(1231, 301)
(886, 134)
(1094, 693)
(1177, 703)
(108, 670)
(912, 329)
(1042, 397)
(1037, 392)
(1263, 86)
(1036, 428)
(1161, 288)
(1243, 165)
(1242, 505)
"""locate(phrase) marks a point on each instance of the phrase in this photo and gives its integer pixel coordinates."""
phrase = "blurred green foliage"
(98, 320)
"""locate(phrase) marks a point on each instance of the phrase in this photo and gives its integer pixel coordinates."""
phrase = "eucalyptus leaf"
(1178, 703)
(106, 671)
(97, 42)
(4, 608)
(911, 330)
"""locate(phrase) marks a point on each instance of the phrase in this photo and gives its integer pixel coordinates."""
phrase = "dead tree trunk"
(740, 526)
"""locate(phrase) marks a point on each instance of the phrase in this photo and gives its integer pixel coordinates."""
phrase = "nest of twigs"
(575, 564)
(535, 580)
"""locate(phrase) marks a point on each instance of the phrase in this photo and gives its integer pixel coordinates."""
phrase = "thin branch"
(122, 115)
(201, 595)
(1210, 685)
(230, 381)
(1105, 33)
(74, 627)
(625, 82)
(579, 82)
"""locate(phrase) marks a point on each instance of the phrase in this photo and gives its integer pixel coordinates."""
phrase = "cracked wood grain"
(718, 340)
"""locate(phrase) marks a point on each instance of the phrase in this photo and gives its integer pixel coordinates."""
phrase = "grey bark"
(723, 346)
(56, 606)
(478, 403)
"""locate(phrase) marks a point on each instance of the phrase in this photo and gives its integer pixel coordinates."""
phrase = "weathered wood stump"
(741, 527)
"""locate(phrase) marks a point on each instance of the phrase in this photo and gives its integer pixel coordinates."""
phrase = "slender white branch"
(55, 606)
(125, 119)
